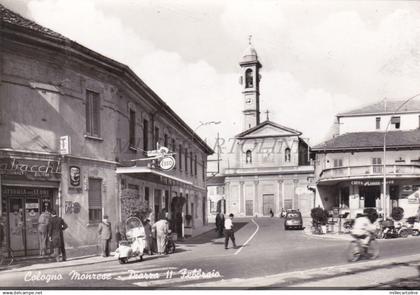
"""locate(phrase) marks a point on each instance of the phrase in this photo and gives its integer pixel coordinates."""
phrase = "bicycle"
(356, 251)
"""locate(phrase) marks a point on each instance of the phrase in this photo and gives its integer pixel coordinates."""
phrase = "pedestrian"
(161, 229)
(220, 221)
(229, 232)
(283, 213)
(149, 236)
(56, 227)
(271, 213)
(105, 235)
(43, 222)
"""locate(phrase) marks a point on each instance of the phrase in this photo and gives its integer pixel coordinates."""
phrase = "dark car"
(293, 220)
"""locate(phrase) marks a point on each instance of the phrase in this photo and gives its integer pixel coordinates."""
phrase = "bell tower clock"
(250, 81)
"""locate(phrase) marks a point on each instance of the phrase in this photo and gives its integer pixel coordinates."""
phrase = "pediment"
(269, 129)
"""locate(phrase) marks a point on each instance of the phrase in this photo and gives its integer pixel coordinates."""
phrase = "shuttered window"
(95, 200)
(132, 128)
(92, 113)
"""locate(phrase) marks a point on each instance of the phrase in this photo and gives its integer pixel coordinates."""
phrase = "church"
(270, 168)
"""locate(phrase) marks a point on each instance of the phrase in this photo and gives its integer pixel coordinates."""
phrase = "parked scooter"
(135, 243)
(391, 230)
(169, 243)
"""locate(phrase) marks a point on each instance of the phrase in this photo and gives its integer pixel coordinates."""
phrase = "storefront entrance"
(268, 204)
(23, 207)
(369, 194)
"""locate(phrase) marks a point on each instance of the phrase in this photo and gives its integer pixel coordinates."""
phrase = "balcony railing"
(251, 170)
(368, 171)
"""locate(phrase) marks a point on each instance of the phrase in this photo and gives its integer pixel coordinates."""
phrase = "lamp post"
(384, 199)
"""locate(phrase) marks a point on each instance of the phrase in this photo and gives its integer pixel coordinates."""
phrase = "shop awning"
(147, 170)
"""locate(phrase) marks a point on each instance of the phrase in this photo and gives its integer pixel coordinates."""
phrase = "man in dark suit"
(105, 235)
(55, 233)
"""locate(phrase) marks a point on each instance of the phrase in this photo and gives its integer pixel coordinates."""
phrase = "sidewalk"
(307, 223)
(82, 255)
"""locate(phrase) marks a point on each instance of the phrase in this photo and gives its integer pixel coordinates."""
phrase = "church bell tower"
(250, 81)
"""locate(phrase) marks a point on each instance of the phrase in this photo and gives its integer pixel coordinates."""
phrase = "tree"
(397, 213)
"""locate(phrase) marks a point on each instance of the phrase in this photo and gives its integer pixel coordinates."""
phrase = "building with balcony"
(268, 167)
(75, 129)
(350, 167)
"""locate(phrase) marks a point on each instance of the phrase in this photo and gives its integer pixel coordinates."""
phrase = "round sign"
(167, 163)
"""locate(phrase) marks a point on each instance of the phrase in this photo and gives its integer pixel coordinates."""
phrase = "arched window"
(248, 158)
(249, 79)
(287, 155)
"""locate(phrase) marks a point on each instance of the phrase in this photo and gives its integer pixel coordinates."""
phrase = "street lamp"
(384, 202)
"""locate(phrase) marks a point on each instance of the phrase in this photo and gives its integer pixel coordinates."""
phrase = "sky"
(319, 58)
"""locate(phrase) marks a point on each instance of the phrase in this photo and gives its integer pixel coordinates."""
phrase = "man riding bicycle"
(363, 229)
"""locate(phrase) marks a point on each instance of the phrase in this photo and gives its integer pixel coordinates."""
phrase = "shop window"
(248, 157)
(395, 122)
(95, 200)
(132, 128)
(92, 113)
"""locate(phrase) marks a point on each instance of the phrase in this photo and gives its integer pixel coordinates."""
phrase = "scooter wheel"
(123, 260)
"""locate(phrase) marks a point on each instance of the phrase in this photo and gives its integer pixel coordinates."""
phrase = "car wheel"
(286, 228)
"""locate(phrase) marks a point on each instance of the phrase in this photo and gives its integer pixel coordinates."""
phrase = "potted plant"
(319, 218)
(397, 213)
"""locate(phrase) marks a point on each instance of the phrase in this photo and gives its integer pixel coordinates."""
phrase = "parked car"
(293, 219)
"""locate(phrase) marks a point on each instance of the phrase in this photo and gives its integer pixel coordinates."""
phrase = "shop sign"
(21, 166)
(31, 205)
(26, 192)
(74, 176)
(65, 145)
(167, 163)
(370, 182)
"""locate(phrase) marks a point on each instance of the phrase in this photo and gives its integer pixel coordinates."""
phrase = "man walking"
(105, 235)
(229, 231)
(55, 232)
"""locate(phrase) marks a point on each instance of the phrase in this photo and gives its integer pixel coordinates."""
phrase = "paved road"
(270, 250)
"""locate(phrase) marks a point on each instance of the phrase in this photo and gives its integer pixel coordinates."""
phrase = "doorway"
(370, 194)
(268, 204)
(249, 207)
(23, 213)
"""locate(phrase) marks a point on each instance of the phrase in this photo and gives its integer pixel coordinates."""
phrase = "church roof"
(10, 17)
(384, 107)
(277, 130)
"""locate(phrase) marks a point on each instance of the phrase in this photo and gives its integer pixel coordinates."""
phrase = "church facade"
(270, 169)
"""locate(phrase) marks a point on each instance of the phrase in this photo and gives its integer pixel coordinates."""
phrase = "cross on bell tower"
(250, 80)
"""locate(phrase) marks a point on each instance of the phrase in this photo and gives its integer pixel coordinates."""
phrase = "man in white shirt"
(363, 229)
(229, 231)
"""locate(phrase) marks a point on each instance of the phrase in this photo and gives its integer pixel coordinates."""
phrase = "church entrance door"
(249, 208)
(268, 204)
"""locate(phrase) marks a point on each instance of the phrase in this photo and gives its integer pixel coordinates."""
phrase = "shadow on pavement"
(210, 235)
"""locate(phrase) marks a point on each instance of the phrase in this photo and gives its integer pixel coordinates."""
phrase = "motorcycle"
(392, 231)
(134, 245)
(169, 243)
(356, 251)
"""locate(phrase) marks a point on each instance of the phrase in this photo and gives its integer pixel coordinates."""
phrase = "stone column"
(256, 205)
(241, 198)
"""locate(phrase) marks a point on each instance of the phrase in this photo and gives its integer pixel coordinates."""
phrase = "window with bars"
(132, 128)
(92, 114)
(95, 200)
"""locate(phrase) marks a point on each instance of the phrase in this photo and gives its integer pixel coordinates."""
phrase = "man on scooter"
(363, 229)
